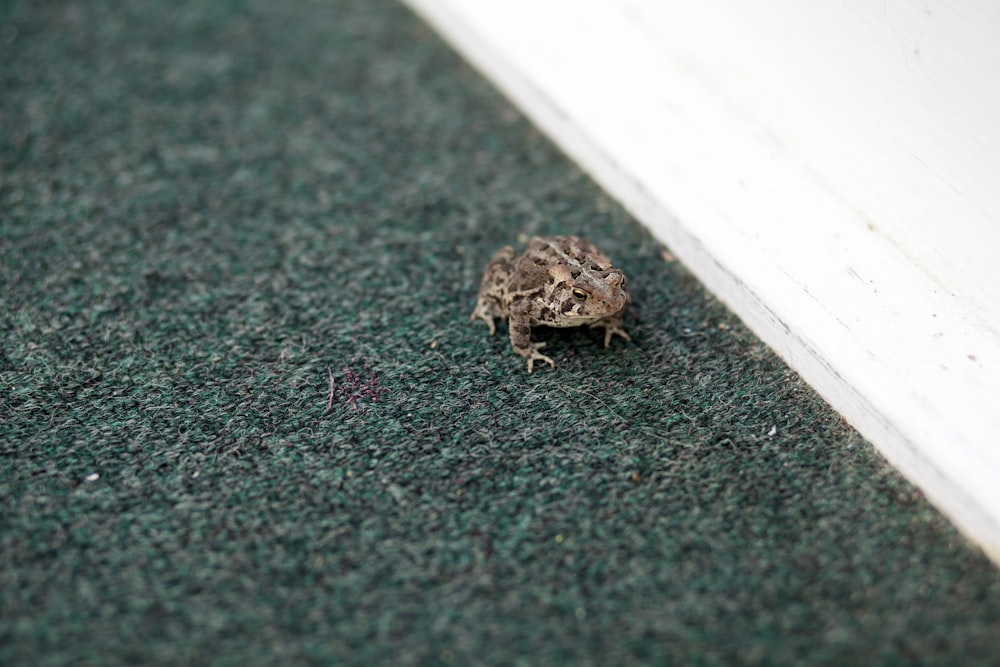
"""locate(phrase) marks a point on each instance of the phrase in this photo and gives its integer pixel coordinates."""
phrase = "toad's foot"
(486, 312)
(532, 354)
(611, 328)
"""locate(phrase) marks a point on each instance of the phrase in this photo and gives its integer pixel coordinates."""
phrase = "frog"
(557, 281)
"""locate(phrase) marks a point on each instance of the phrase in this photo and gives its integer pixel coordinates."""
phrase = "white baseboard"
(830, 170)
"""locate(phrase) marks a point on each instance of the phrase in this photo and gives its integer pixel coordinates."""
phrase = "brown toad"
(558, 281)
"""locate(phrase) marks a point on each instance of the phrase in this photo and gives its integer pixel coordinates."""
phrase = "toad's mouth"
(587, 314)
(596, 308)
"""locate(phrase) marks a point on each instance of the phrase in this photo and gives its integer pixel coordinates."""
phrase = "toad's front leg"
(612, 325)
(519, 324)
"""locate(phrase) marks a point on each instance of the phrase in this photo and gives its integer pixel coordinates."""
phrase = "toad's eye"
(580, 294)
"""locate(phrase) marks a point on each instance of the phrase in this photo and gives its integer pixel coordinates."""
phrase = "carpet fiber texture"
(245, 418)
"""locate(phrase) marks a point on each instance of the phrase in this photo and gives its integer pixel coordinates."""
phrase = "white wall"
(830, 169)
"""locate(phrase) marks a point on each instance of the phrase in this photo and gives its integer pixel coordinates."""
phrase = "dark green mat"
(209, 209)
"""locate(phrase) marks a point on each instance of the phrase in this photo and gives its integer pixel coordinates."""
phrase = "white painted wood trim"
(830, 170)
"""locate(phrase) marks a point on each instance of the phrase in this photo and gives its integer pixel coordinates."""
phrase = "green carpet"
(246, 421)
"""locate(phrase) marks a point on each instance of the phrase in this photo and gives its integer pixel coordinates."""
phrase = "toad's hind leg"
(491, 288)
(488, 309)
